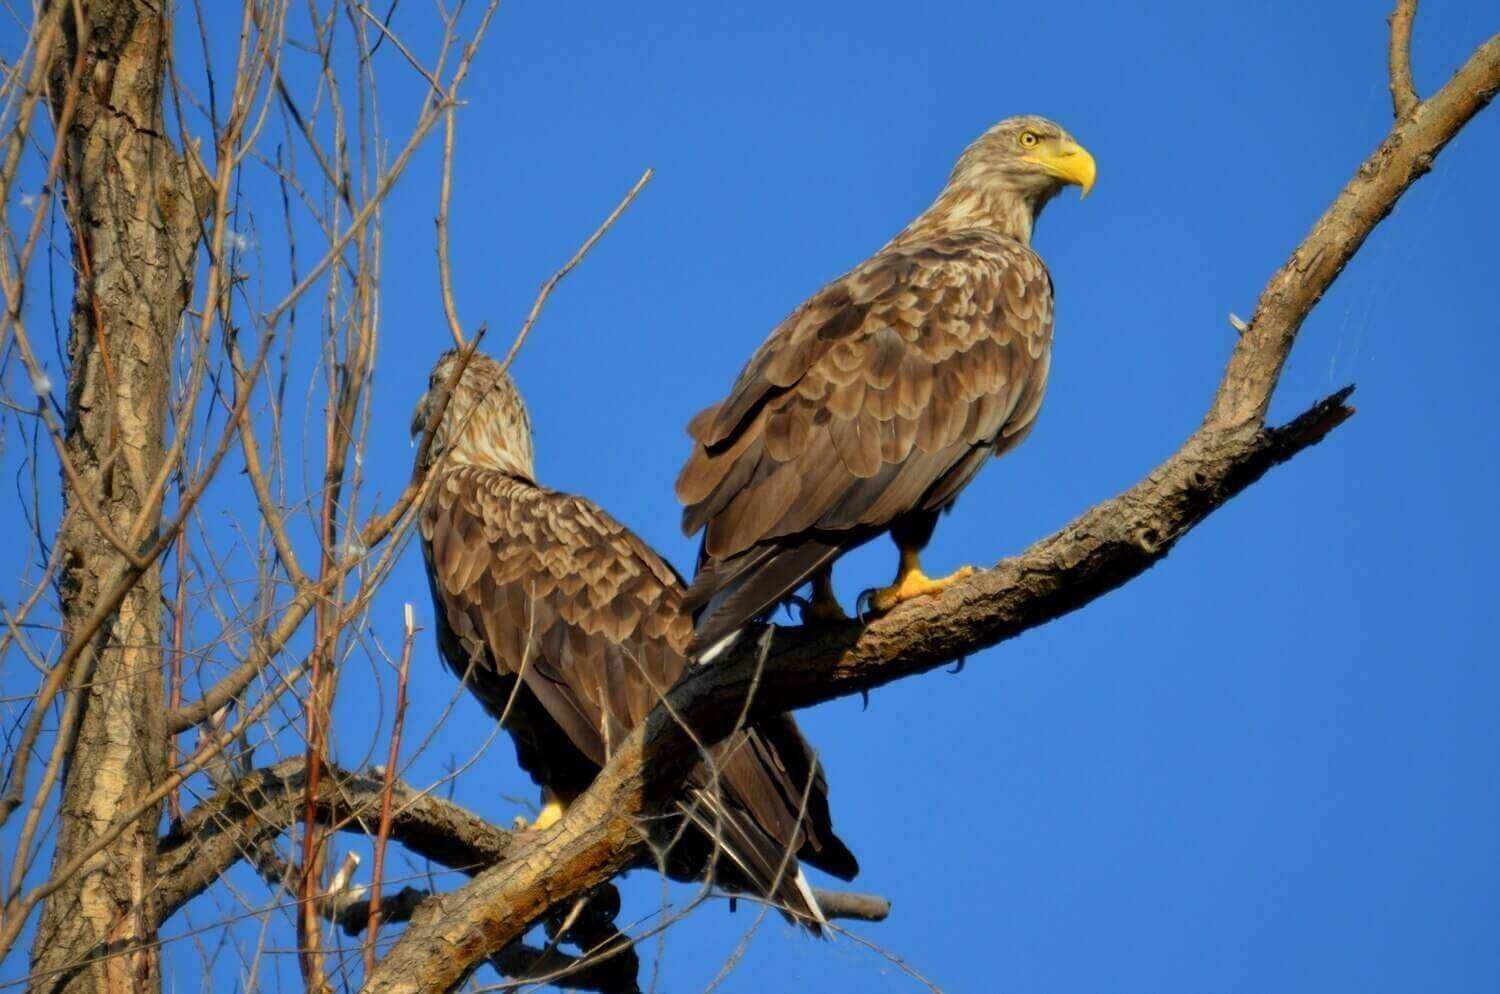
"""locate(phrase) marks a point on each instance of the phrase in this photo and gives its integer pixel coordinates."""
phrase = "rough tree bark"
(135, 225)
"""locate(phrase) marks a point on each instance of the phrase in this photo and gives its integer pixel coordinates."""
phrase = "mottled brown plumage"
(877, 401)
(568, 625)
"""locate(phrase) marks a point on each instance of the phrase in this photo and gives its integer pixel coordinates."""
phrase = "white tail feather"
(719, 648)
(709, 824)
(805, 890)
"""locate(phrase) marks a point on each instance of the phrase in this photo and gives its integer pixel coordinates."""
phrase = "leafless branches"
(238, 595)
(243, 816)
(257, 587)
(216, 394)
(383, 833)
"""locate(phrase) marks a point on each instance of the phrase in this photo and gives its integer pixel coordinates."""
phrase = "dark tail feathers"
(727, 595)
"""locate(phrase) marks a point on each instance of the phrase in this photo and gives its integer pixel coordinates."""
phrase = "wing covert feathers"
(878, 397)
(546, 589)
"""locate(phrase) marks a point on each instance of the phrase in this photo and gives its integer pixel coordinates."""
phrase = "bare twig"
(386, 32)
(384, 832)
(556, 278)
(1403, 90)
(445, 196)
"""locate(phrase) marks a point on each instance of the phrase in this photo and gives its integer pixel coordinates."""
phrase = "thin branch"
(1403, 90)
(387, 788)
(556, 278)
(405, 52)
(378, 528)
(445, 197)
(1405, 155)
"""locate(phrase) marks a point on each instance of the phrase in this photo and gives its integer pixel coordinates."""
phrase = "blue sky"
(1267, 764)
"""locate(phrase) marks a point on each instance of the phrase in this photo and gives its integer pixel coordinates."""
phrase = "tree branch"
(1406, 155)
(1105, 547)
(1403, 90)
(232, 823)
(242, 819)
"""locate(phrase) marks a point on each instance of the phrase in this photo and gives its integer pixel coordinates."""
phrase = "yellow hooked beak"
(1068, 161)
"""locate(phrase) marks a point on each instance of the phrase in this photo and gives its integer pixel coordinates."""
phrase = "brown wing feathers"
(547, 588)
(879, 397)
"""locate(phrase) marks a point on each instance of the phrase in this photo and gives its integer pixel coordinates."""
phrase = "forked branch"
(244, 817)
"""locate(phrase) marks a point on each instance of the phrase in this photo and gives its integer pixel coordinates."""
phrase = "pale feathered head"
(485, 422)
(1007, 176)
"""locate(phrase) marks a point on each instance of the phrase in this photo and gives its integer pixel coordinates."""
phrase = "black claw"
(865, 696)
(803, 606)
(958, 666)
(864, 605)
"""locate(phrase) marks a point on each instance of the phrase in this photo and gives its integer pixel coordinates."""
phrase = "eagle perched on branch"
(876, 402)
(569, 629)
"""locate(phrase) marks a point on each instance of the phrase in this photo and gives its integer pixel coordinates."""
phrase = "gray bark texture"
(134, 228)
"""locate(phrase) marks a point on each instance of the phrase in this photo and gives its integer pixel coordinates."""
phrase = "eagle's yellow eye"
(1028, 139)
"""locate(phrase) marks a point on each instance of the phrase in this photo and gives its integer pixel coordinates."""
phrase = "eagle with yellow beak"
(876, 402)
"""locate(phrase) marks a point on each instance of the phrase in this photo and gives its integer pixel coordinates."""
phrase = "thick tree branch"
(598, 837)
(240, 820)
(234, 822)
(1107, 546)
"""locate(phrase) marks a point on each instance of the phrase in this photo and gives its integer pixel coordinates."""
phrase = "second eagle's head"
(484, 422)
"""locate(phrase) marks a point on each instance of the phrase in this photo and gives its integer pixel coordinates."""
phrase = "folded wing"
(880, 396)
(567, 624)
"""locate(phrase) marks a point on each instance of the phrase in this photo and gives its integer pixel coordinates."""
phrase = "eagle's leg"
(911, 582)
(553, 808)
(911, 535)
(551, 812)
(824, 606)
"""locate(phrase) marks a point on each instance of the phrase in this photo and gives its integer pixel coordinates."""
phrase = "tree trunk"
(135, 228)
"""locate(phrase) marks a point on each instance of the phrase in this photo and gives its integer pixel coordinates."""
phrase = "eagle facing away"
(878, 399)
(569, 629)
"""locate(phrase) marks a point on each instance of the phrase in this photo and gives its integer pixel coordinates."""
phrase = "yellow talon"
(552, 811)
(911, 582)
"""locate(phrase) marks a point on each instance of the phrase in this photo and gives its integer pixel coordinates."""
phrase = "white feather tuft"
(718, 648)
(805, 890)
